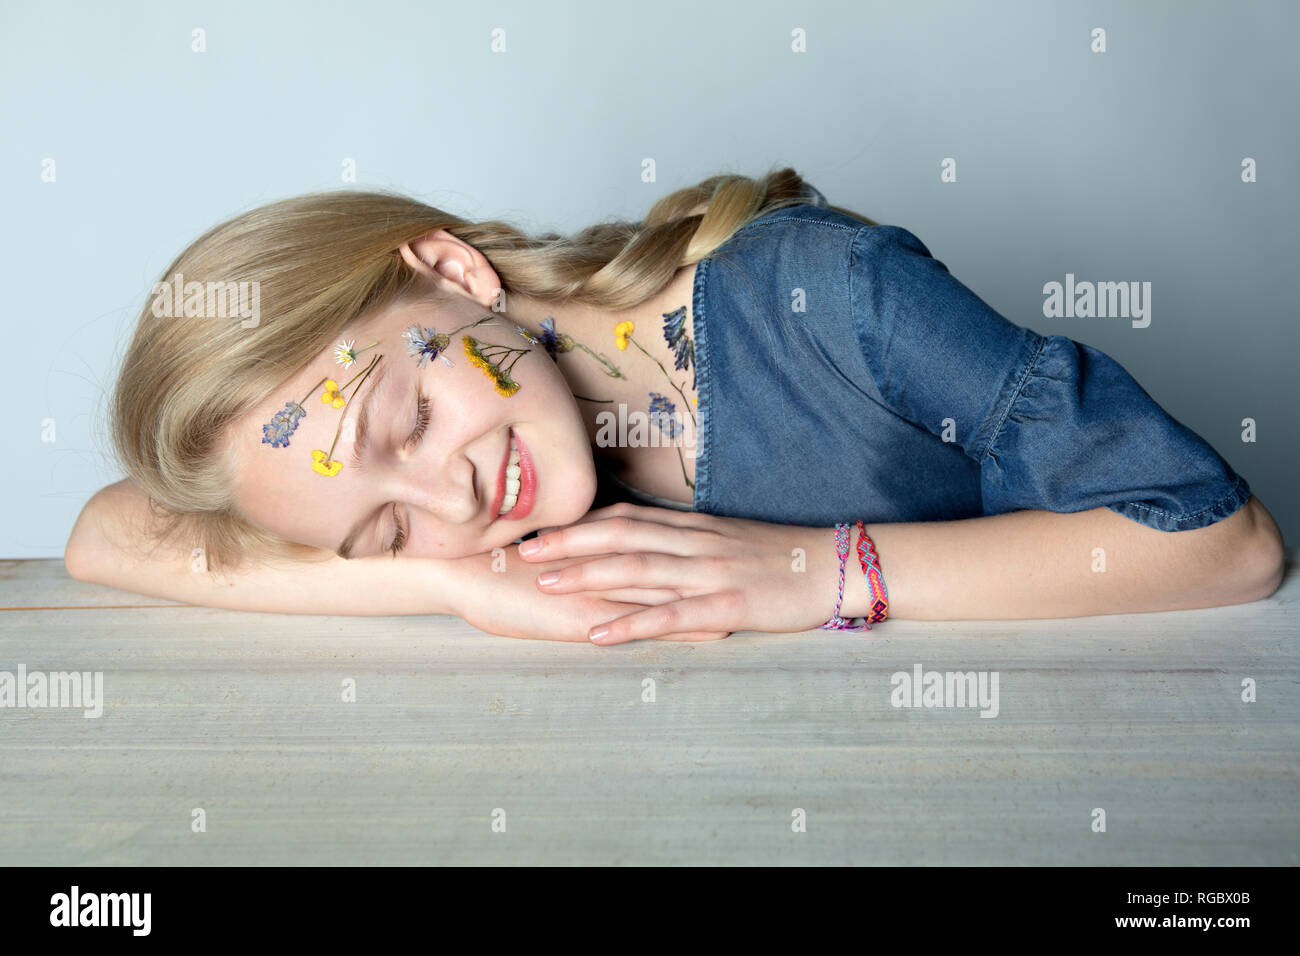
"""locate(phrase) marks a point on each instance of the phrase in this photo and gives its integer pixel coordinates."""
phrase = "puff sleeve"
(1054, 424)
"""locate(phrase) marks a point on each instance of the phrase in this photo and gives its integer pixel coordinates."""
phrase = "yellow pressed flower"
(621, 332)
(331, 394)
(322, 466)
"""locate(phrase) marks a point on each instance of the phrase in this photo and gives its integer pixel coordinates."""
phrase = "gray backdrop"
(1123, 165)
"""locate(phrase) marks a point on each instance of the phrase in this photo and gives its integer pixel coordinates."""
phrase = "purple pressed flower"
(283, 424)
(550, 339)
(677, 339)
(426, 344)
(664, 413)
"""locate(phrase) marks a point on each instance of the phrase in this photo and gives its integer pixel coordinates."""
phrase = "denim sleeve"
(1055, 425)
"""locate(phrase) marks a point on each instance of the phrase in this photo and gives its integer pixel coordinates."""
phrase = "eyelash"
(421, 424)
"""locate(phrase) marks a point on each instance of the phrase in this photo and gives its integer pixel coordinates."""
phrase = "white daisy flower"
(344, 354)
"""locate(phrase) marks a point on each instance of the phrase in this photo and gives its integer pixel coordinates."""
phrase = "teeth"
(512, 478)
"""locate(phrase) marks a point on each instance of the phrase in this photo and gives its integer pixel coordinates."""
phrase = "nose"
(444, 487)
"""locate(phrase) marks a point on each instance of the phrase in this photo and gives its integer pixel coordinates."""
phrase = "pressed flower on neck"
(664, 414)
(622, 332)
(677, 339)
(556, 342)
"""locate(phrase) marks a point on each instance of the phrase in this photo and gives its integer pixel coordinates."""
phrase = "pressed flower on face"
(331, 395)
(283, 424)
(426, 344)
(345, 353)
(321, 464)
(494, 361)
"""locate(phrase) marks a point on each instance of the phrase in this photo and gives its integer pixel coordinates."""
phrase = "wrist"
(865, 593)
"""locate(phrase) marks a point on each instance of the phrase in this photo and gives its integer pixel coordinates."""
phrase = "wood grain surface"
(243, 716)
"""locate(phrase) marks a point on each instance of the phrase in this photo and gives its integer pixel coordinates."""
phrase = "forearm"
(1038, 564)
(108, 547)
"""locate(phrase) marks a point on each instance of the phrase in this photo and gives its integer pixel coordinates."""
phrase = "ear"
(452, 264)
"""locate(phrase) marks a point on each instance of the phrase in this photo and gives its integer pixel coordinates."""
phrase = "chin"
(580, 491)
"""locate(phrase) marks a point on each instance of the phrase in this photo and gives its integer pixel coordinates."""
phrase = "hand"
(731, 574)
(507, 602)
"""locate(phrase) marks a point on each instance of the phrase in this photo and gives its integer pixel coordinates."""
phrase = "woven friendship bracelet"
(837, 623)
(870, 562)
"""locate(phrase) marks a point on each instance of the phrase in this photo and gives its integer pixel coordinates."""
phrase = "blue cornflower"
(283, 424)
(551, 339)
(664, 413)
(426, 344)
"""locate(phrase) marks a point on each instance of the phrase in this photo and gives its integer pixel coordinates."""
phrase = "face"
(422, 462)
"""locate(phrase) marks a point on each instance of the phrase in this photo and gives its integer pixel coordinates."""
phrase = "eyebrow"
(344, 550)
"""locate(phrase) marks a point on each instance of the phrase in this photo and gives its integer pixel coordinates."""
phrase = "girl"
(418, 394)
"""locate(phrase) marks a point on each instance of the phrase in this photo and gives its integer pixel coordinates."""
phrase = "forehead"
(275, 447)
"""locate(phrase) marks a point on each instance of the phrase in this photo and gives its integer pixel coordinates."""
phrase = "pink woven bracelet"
(870, 562)
(837, 623)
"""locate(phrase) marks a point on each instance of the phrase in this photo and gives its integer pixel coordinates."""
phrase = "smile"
(516, 482)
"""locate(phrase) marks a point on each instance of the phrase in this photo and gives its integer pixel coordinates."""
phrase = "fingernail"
(598, 633)
(549, 577)
(531, 546)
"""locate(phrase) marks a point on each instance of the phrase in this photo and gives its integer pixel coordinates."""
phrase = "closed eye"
(417, 433)
(399, 533)
(421, 422)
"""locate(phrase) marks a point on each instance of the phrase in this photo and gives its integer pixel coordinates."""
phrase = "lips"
(527, 482)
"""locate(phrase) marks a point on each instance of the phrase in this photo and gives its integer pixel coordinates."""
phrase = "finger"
(708, 612)
(667, 516)
(640, 569)
(643, 596)
(618, 534)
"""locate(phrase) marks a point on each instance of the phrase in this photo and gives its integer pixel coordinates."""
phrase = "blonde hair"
(323, 260)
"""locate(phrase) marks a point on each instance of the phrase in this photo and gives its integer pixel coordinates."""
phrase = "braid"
(617, 265)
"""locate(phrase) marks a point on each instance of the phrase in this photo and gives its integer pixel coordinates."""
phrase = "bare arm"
(493, 591)
(1038, 564)
(737, 574)
(107, 547)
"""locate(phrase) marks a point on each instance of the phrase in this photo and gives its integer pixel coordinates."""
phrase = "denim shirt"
(897, 394)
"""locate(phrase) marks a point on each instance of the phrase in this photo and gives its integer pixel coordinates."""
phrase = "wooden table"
(243, 717)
